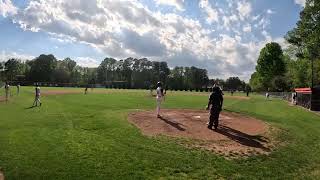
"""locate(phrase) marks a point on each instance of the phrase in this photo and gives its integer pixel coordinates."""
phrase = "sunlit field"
(77, 136)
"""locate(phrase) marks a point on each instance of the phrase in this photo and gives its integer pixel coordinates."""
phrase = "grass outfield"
(78, 136)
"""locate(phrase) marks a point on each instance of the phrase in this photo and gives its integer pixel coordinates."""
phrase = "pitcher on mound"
(159, 98)
(216, 101)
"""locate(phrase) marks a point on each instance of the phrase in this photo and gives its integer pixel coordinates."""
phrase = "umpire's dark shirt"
(216, 97)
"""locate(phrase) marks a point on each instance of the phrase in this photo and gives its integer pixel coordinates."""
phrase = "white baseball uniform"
(159, 99)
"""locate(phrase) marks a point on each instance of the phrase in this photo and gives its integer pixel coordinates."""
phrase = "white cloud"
(128, 28)
(266, 35)
(270, 11)
(229, 20)
(247, 28)
(178, 4)
(6, 55)
(212, 14)
(244, 9)
(300, 2)
(87, 62)
(7, 8)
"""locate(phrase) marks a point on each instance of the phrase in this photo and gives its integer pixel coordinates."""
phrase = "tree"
(270, 64)
(306, 36)
(175, 79)
(255, 82)
(70, 64)
(106, 70)
(234, 83)
(42, 68)
(301, 73)
(164, 72)
(13, 68)
(279, 83)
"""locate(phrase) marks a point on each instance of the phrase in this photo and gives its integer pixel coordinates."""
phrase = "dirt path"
(237, 135)
(2, 98)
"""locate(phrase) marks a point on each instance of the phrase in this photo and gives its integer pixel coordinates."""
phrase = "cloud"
(147, 44)
(212, 14)
(7, 8)
(244, 9)
(178, 4)
(5, 55)
(300, 2)
(270, 11)
(87, 62)
(126, 28)
(247, 28)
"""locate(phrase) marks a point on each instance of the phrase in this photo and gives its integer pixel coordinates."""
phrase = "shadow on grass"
(31, 107)
(172, 123)
(243, 138)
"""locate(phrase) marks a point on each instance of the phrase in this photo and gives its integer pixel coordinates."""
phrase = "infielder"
(37, 97)
(216, 101)
(159, 98)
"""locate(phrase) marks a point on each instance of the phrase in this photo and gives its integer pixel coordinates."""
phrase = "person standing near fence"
(294, 98)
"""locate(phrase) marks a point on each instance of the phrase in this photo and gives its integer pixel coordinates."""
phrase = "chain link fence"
(303, 100)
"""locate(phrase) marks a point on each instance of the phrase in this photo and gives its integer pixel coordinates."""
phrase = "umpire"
(216, 101)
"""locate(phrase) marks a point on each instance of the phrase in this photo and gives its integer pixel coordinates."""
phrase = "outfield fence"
(303, 100)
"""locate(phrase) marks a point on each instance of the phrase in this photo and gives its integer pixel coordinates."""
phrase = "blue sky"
(223, 36)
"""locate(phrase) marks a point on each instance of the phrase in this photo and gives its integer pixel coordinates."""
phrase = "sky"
(222, 36)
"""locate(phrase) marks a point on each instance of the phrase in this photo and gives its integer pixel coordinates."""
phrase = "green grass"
(88, 137)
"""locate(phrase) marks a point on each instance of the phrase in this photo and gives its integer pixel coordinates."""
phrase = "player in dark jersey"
(216, 101)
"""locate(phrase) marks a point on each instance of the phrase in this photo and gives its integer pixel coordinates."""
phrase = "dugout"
(308, 98)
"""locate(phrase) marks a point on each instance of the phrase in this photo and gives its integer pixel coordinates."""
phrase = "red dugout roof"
(303, 90)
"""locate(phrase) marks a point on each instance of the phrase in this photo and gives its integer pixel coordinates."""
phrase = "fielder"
(216, 101)
(159, 98)
(267, 95)
(18, 89)
(7, 91)
(37, 97)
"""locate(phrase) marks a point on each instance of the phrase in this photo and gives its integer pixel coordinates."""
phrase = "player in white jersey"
(37, 96)
(160, 97)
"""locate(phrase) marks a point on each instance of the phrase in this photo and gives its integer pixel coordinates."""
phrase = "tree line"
(296, 66)
(125, 73)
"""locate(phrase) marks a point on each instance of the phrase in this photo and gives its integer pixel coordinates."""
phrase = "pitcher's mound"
(236, 135)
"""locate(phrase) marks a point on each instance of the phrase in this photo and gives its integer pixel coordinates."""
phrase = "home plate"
(197, 117)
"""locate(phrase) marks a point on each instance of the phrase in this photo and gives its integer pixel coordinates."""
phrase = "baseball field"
(114, 134)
